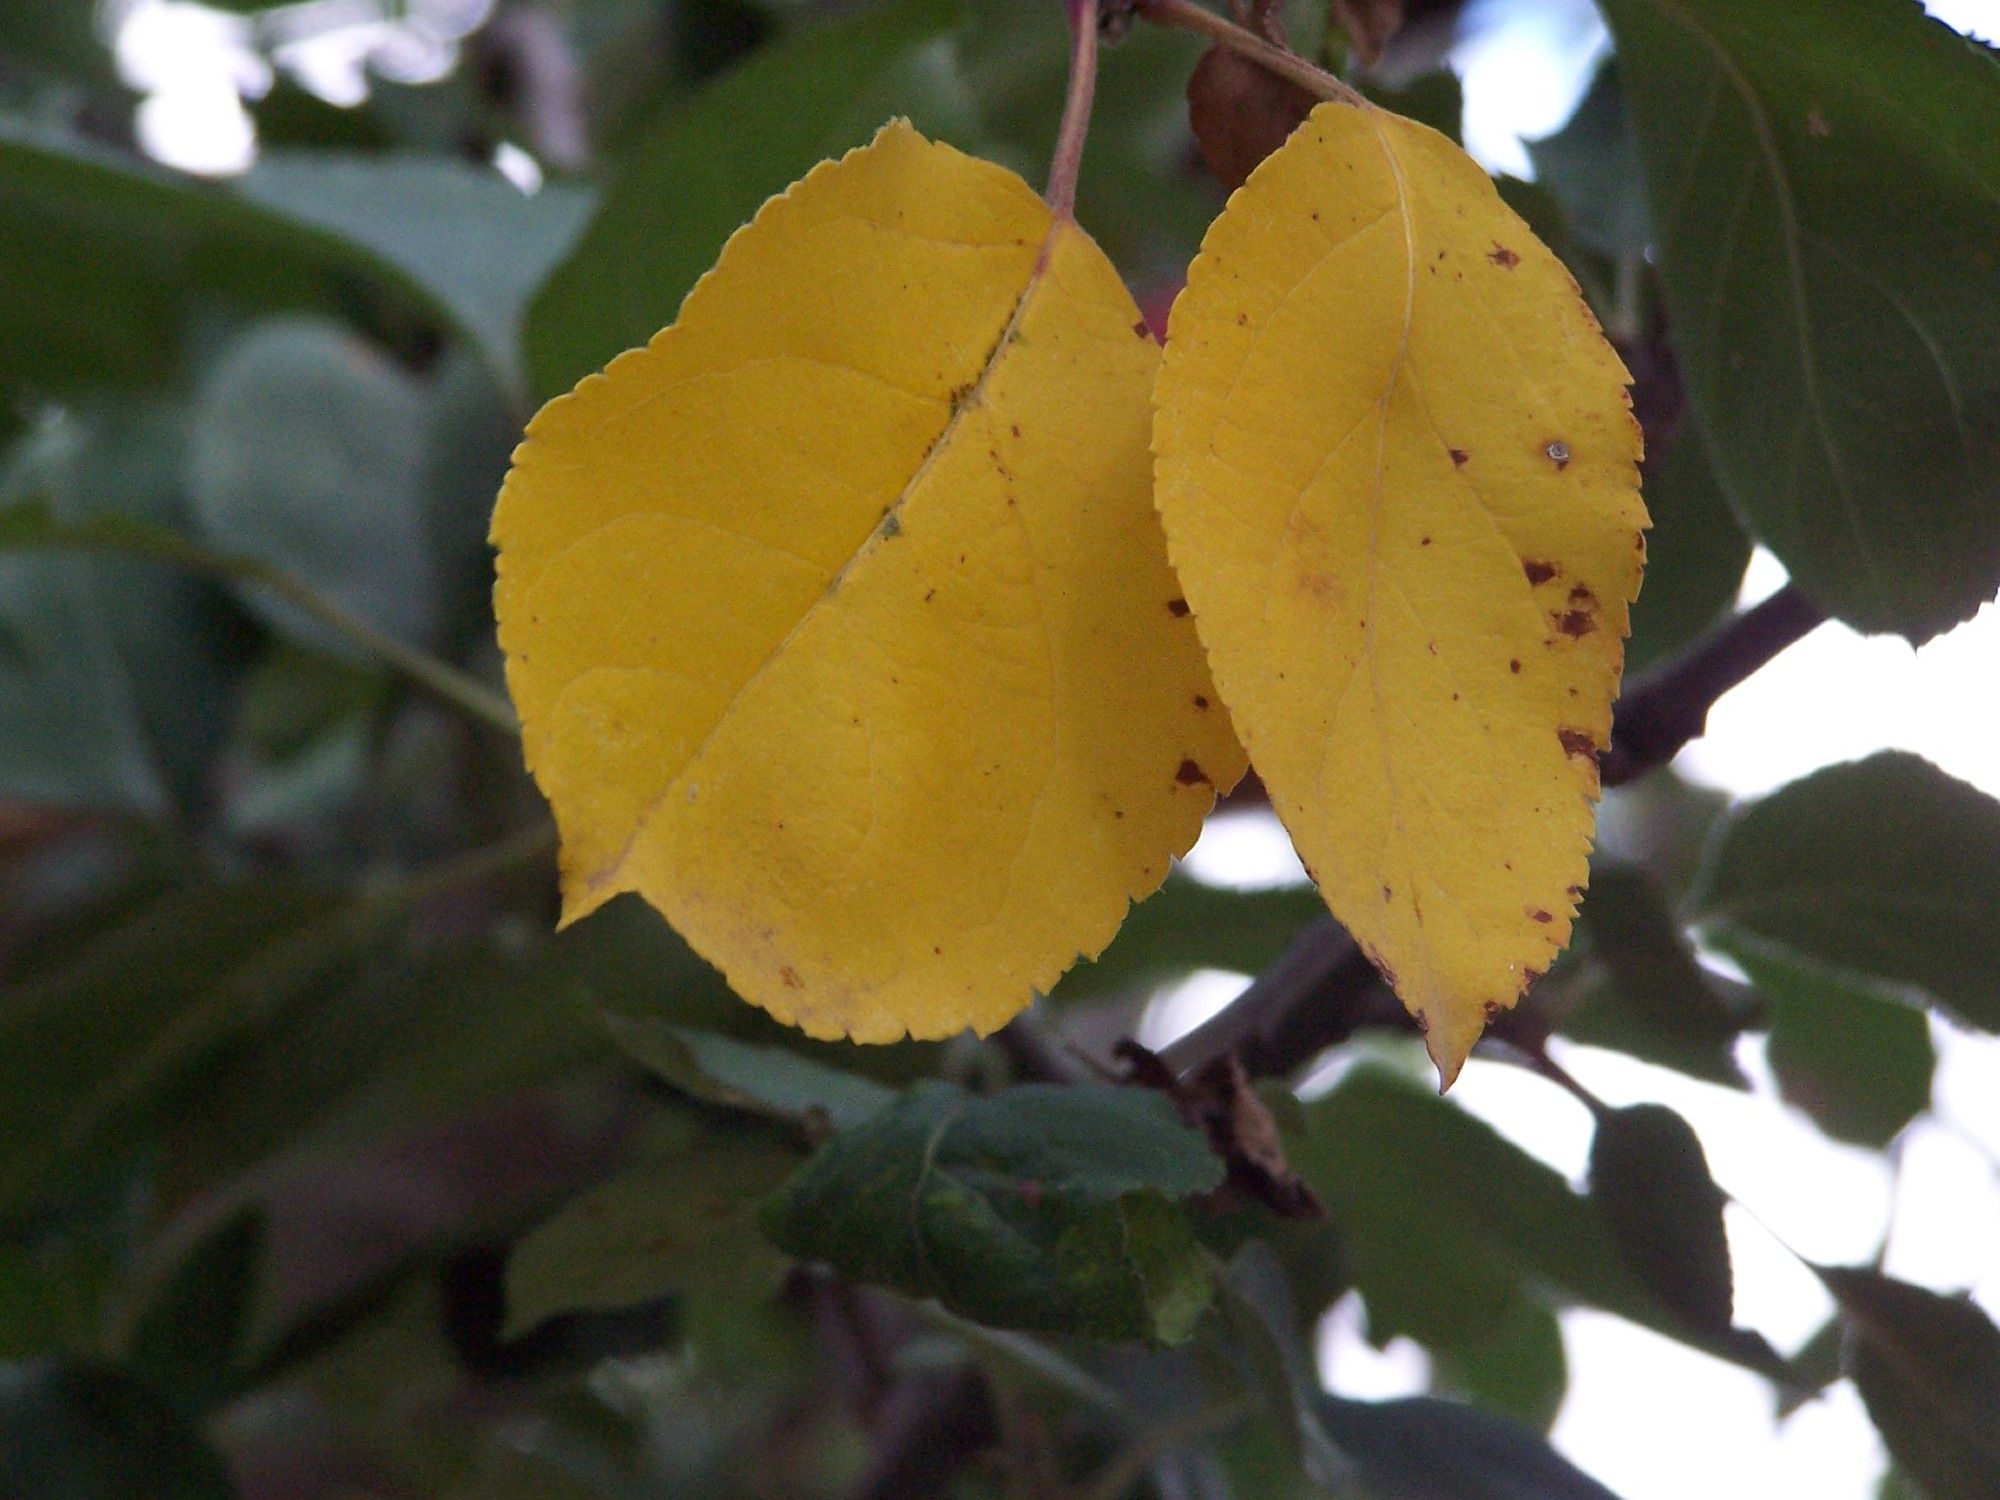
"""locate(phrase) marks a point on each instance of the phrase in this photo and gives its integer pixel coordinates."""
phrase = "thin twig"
(1185, 15)
(1668, 706)
(1068, 160)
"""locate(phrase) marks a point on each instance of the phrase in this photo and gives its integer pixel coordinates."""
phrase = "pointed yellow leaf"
(1397, 465)
(839, 618)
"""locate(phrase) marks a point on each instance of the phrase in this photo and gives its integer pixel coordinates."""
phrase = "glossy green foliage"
(1845, 366)
(1042, 1208)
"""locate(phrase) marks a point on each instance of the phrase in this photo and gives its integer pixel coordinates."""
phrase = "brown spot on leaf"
(1502, 257)
(1190, 774)
(790, 977)
(1492, 1009)
(1178, 608)
(1576, 623)
(1460, 458)
(1582, 596)
(1538, 572)
(1201, 702)
(1141, 329)
(1015, 428)
(1558, 452)
(1578, 742)
(1536, 914)
(1514, 665)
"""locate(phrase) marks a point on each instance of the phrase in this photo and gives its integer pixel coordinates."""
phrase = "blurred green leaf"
(466, 235)
(707, 165)
(94, 1054)
(80, 1432)
(1860, 1065)
(1821, 179)
(680, 1222)
(1929, 1368)
(1445, 1222)
(116, 683)
(1592, 167)
(1695, 553)
(1041, 1208)
(1188, 925)
(1650, 1180)
(188, 1338)
(1417, 1449)
(1143, 194)
(307, 455)
(1883, 873)
(1519, 1370)
(770, 1081)
(51, 1297)
(1655, 1001)
(111, 258)
(1421, 1448)
(471, 1022)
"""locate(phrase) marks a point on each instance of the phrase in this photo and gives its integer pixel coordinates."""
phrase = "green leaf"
(85, 1433)
(1654, 1000)
(1883, 873)
(1825, 187)
(681, 1222)
(353, 1065)
(704, 169)
(112, 259)
(95, 1054)
(307, 456)
(1928, 1367)
(1043, 1208)
(1445, 1222)
(1650, 1180)
(475, 243)
(1142, 201)
(1860, 1065)
(1519, 1370)
(116, 683)
(1189, 925)
(188, 1338)
(770, 1081)
(1695, 553)
(51, 1296)
(1592, 167)
(1421, 1448)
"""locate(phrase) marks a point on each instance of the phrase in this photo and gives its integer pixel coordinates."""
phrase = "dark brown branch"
(1669, 705)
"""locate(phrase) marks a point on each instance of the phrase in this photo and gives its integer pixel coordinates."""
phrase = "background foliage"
(327, 1169)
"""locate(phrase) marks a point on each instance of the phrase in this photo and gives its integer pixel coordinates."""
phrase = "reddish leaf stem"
(1185, 15)
(1068, 160)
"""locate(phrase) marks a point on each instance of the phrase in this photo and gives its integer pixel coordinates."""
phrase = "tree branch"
(1669, 705)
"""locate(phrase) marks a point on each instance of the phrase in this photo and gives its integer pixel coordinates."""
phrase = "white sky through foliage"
(1652, 1419)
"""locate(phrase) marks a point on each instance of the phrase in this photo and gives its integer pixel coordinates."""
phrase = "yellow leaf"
(839, 618)
(1397, 465)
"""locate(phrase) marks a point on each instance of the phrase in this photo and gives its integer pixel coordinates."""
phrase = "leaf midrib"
(595, 885)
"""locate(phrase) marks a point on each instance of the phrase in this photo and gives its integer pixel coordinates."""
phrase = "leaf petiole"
(1185, 15)
(1068, 159)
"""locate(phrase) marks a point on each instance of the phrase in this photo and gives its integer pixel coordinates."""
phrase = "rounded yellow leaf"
(839, 619)
(1398, 469)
